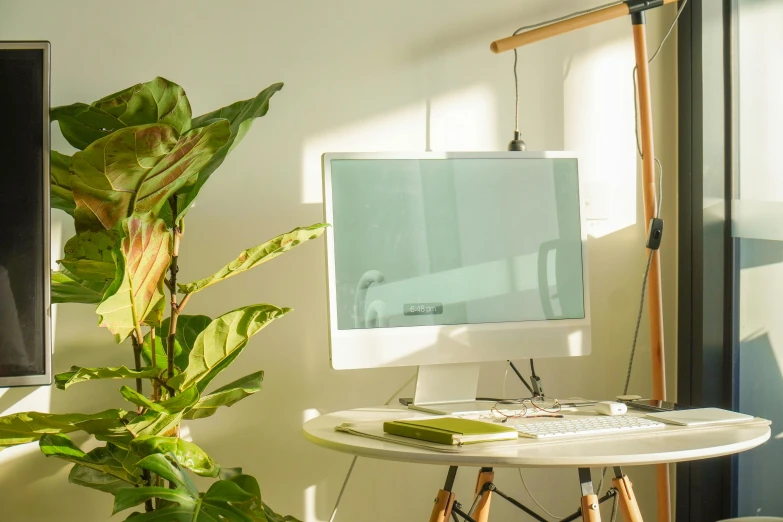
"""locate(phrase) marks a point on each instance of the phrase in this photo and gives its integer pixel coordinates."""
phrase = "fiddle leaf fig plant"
(142, 160)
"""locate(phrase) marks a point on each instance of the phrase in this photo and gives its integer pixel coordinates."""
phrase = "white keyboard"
(545, 428)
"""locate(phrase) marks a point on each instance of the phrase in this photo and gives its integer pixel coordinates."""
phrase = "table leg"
(481, 512)
(441, 511)
(628, 505)
(590, 509)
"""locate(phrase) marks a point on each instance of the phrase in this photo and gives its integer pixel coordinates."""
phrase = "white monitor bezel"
(445, 344)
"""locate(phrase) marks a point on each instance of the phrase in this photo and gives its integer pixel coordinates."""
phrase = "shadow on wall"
(761, 392)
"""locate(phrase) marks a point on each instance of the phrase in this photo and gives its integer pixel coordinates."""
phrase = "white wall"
(359, 75)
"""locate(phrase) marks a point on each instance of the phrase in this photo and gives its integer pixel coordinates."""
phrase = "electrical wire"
(614, 509)
(342, 490)
(536, 502)
(534, 26)
(660, 192)
(353, 461)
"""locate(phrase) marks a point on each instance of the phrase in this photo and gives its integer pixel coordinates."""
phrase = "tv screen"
(25, 346)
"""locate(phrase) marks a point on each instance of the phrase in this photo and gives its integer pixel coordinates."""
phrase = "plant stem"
(173, 269)
(137, 360)
(145, 476)
(153, 359)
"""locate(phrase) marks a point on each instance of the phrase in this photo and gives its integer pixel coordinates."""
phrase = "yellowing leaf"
(136, 169)
(142, 263)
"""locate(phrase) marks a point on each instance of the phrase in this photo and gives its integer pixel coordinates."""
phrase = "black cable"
(533, 370)
(529, 388)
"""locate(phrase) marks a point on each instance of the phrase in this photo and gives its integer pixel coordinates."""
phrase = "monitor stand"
(448, 388)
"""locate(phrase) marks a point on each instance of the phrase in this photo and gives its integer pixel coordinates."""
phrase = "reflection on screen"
(456, 241)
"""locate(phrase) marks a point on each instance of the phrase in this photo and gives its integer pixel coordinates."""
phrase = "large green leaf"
(188, 328)
(224, 500)
(141, 267)
(137, 169)
(79, 374)
(156, 101)
(82, 124)
(21, 428)
(153, 423)
(240, 116)
(160, 350)
(60, 176)
(110, 459)
(255, 256)
(67, 288)
(89, 255)
(171, 406)
(227, 395)
(187, 454)
(222, 341)
(95, 479)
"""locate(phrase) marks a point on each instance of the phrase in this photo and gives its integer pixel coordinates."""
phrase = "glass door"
(757, 226)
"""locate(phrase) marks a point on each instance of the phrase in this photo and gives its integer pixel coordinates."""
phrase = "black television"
(25, 329)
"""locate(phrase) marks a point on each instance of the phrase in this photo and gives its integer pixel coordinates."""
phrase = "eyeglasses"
(528, 405)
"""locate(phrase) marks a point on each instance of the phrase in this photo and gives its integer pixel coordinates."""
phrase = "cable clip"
(655, 234)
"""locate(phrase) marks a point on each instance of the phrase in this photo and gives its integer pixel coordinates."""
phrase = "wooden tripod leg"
(628, 505)
(441, 511)
(589, 504)
(590, 511)
(481, 514)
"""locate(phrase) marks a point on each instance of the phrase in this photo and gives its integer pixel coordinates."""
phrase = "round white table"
(670, 444)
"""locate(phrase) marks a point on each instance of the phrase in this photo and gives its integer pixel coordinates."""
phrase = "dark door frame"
(707, 256)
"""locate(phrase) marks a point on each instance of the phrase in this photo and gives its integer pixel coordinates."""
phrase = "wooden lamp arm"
(577, 22)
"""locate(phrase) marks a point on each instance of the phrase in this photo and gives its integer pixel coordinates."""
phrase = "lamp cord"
(534, 26)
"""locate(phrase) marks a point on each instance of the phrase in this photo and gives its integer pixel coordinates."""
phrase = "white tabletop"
(671, 444)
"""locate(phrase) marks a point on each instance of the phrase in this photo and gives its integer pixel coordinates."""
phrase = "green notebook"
(450, 430)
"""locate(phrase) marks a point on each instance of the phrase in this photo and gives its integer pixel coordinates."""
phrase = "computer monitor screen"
(24, 214)
(460, 240)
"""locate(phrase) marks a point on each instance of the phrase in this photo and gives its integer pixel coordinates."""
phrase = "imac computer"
(446, 260)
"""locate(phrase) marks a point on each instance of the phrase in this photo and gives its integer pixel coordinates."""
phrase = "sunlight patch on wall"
(401, 130)
(40, 399)
(599, 125)
(463, 120)
(309, 505)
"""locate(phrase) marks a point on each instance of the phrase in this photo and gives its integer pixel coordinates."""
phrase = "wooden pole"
(654, 291)
(558, 28)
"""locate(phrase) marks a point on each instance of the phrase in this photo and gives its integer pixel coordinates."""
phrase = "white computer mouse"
(611, 408)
